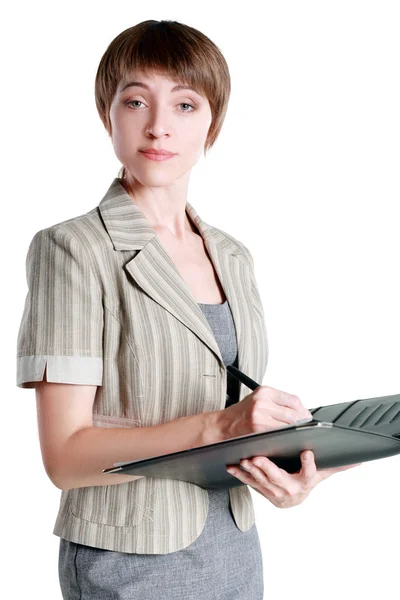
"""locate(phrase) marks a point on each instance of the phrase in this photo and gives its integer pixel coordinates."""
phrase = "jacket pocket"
(120, 505)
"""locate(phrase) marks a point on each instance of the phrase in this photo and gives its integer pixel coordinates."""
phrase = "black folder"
(338, 434)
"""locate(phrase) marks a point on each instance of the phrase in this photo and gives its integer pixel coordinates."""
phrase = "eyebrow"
(176, 88)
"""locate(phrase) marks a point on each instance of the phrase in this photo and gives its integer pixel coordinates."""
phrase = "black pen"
(242, 377)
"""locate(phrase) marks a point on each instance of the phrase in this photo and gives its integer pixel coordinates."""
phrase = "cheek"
(122, 125)
(194, 139)
(124, 138)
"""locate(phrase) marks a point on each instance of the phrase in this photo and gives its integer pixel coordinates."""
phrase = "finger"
(293, 404)
(256, 469)
(275, 474)
(284, 414)
(275, 423)
(273, 480)
(247, 477)
(240, 474)
(285, 399)
(308, 467)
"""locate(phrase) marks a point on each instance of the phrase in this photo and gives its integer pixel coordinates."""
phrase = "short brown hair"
(182, 52)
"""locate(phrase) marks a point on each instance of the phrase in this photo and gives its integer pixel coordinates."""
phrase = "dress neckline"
(213, 304)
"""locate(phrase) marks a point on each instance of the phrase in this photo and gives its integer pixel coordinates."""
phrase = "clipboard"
(342, 434)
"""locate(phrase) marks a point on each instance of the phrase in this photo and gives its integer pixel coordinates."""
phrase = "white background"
(305, 173)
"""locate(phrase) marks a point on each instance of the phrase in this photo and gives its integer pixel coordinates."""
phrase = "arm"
(63, 320)
(75, 452)
(91, 449)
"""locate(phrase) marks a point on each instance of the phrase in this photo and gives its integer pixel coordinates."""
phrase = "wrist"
(213, 428)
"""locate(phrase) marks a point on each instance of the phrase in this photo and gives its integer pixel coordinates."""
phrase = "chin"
(155, 179)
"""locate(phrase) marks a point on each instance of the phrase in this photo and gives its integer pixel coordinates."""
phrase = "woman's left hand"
(281, 488)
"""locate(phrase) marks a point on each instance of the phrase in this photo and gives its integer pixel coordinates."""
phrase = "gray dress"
(223, 563)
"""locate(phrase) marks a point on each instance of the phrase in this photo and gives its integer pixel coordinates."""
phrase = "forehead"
(146, 75)
(149, 79)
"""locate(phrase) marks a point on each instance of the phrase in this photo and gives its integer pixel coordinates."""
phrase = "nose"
(158, 125)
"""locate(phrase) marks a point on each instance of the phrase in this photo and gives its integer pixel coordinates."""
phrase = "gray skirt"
(223, 563)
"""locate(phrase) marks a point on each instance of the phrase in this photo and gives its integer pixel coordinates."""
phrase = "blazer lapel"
(155, 272)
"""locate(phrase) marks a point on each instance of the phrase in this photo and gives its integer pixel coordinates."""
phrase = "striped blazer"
(107, 306)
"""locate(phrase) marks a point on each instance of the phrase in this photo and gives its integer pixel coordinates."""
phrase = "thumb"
(306, 456)
(307, 461)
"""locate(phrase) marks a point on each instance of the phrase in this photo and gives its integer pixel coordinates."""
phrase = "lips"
(157, 152)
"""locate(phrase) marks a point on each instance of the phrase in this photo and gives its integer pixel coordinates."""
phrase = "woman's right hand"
(265, 408)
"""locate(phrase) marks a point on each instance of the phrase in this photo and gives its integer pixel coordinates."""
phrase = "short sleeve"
(62, 321)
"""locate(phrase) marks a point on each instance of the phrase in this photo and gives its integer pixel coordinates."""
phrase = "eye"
(132, 101)
(181, 104)
(186, 104)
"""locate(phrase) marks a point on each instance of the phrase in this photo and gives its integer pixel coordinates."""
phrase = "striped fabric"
(107, 306)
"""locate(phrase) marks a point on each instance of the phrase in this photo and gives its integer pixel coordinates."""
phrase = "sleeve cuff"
(82, 370)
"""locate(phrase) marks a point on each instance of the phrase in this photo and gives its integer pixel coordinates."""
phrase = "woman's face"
(151, 114)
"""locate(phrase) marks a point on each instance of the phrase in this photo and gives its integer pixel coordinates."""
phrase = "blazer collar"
(155, 272)
(129, 229)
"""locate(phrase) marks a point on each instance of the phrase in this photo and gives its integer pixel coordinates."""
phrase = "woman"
(133, 312)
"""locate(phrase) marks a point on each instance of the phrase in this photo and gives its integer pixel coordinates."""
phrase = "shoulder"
(83, 234)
